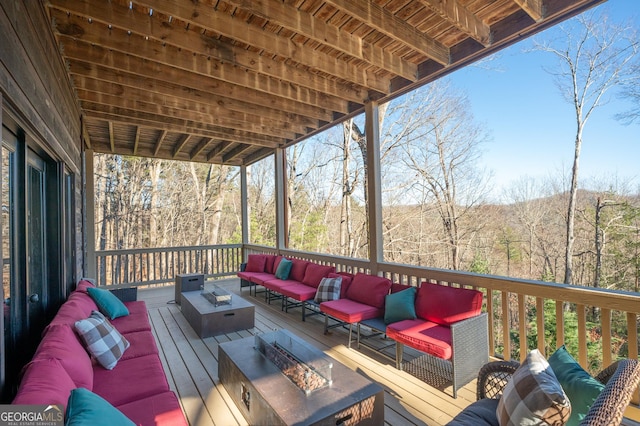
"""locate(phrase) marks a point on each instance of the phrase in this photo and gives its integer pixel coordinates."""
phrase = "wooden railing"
(136, 267)
(510, 303)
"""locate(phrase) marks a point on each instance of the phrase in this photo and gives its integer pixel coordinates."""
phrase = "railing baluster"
(582, 336)
(605, 320)
(506, 335)
(559, 323)
(632, 342)
(540, 324)
(490, 320)
(522, 325)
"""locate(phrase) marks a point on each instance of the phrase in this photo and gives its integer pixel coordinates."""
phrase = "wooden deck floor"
(192, 367)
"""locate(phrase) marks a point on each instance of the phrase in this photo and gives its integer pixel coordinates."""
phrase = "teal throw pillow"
(283, 269)
(581, 389)
(108, 303)
(400, 306)
(86, 408)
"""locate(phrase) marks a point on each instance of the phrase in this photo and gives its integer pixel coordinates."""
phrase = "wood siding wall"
(37, 93)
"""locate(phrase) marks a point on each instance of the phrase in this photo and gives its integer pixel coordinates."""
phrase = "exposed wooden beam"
(200, 79)
(217, 56)
(218, 150)
(308, 26)
(257, 155)
(224, 24)
(200, 147)
(207, 115)
(180, 144)
(534, 8)
(221, 23)
(112, 142)
(462, 18)
(173, 95)
(85, 135)
(234, 153)
(390, 25)
(159, 142)
(121, 115)
(136, 141)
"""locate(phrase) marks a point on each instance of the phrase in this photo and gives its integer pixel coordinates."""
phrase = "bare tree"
(443, 153)
(593, 56)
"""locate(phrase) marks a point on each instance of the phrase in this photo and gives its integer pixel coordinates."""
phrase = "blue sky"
(532, 128)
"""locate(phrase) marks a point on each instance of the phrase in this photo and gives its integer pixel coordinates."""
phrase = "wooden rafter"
(112, 142)
(382, 20)
(462, 18)
(534, 8)
(200, 147)
(180, 144)
(159, 142)
(136, 141)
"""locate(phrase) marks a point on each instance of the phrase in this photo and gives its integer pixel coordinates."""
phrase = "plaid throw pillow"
(102, 340)
(533, 396)
(329, 289)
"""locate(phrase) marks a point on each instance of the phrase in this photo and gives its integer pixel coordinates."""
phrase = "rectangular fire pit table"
(209, 319)
(265, 396)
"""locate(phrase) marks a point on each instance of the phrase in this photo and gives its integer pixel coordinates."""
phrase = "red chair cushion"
(271, 260)
(256, 263)
(369, 289)
(347, 278)
(162, 409)
(315, 273)
(395, 287)
(298, 269)
(350, 311)
(447, 305)
(299, 292)
(44, 382)
(425, 336)
(256, 277)
(277, 284)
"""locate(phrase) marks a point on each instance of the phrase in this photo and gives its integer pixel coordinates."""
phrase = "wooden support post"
(90, 267)
(374, 192)
(282, 230)
(244, 205)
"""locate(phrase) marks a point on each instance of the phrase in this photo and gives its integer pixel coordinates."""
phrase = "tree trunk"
(571, 212)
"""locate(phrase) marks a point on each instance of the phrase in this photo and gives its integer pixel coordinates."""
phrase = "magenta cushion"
(132, 322)
(256, 277)
(350, 311)
(83, 285)
(426, 336)
(276, 263)
(347, 278)
(298, 269)
(395, 287)
(271, 260)
(159, 410)
(142, 343)
(315, 273)
(446, 305)
(45, 382)
(277, 284)
(130, 380)
(256, 263)
(369, 289)
(299, 292)
(136, 307)
(62, 343)
(78, 306)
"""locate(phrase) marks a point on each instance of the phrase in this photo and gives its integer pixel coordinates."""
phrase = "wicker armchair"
(621, 379)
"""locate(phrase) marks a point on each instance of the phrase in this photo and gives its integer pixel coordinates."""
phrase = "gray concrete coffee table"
(207, 319)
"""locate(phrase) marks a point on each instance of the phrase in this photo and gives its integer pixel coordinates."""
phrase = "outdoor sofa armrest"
(493, 377)
(613, 400)
(470, 343)
(126, 294)
(243, 266)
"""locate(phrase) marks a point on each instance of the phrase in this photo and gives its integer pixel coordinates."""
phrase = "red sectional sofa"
(449, 328)
(136, 386)
(298, 289)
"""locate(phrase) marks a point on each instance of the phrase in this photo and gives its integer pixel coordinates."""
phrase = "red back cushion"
(315, 273)
(347, 278)
(268, 267)
(256, 263)
(369, 289)
(298, 269)
(276, 263)
(447, 305)
(396, 287)
(83, 285)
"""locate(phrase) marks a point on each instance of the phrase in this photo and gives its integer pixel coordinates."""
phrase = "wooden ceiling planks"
(227, 81)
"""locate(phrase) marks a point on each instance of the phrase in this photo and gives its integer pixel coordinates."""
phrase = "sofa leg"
(304, 308)
(350, 328)
(326, 324)
(358, 337)
(399, 352)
